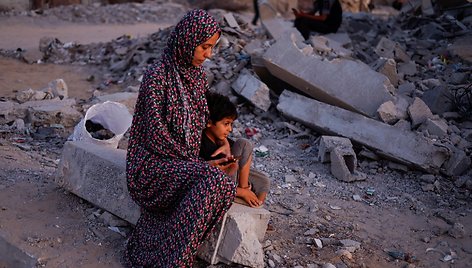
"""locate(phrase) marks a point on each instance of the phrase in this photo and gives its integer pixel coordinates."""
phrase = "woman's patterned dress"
(181, 197)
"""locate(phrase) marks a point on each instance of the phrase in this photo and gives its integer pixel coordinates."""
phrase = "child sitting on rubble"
(253, 186)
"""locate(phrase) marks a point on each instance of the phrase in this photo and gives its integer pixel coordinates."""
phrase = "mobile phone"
(231, 160)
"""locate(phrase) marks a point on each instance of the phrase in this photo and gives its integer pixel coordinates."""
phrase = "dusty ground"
(62, 230)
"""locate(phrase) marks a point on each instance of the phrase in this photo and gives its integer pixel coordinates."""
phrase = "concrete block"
(388, 113)
(239, 238)
(17, 5)
(328, 143)
(406, 89)
(342, 38)
(357, 87)
(278, 28)
(438, 99)
(9, 112)
(128, 99)
(392, 50)
(419, 112)
(387, 67)
(98, 175)
(403, 125)
(435, 127)
(457, 164)
(53, 111)
(253, 90)
(343, 165)
(388, 141)
(231, 20)
(325, 45)
(12, 256)
(408, 68)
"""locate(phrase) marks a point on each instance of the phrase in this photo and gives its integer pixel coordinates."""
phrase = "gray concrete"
(419, 112)
(52, 111)
(437, 127)
(391, 142)
(98, 175)
(9, 113)
(343, 165)
(253, 89)
(354, 86)
(11, 256)
(239, 238)
(389, 49)
(18, 5)
(278, 28)
(328, 143)
(128, 99)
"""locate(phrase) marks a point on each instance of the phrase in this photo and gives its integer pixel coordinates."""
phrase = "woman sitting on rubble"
(182, 197)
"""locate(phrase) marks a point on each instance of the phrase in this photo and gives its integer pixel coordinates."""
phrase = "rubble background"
(394, 213)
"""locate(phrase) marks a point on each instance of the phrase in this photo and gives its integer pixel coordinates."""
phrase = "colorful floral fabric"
(181, 197)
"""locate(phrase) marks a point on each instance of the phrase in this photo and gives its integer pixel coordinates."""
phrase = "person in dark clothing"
(256, 12)
(328, 20)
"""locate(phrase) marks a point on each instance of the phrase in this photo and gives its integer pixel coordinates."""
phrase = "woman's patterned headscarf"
(171, 110)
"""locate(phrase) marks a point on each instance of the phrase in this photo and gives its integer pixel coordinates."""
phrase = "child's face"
(221, 129)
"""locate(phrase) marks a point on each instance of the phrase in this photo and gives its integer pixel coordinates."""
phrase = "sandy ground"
(62, 231)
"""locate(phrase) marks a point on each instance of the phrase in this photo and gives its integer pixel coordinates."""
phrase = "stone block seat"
(98, 174)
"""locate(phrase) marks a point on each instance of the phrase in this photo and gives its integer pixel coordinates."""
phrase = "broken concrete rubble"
(387, 67)
(419, 112)
(253, 90)
(328, 143)
(356, 87)
(98, 175)
(238, 239)
(389, 141)
(53, 111)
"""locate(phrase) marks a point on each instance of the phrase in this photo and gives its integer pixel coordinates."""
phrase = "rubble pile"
(153, 11)
(391, 96)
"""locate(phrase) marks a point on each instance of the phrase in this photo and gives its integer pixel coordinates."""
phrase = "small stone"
(457, 231)
(271, 263)
(311, 232)
(344, 253)
(277, 258)
(328, 265)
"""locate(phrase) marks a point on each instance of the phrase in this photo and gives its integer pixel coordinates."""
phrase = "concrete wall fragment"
(403, 146)
(253, 90)
(98, 175)
(348, 84)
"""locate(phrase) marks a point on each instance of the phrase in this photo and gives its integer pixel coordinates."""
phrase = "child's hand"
(224, 149)
(226, 164)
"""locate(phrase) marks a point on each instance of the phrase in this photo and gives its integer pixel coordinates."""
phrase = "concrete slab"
(253, 89)
(356, 86)
(98, 175)
(239, 238)
(11, 256)
(402, 146)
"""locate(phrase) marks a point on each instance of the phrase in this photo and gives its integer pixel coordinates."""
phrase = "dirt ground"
(62, 230)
